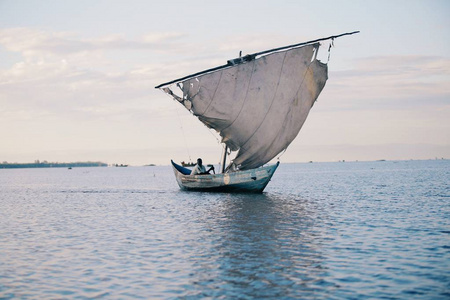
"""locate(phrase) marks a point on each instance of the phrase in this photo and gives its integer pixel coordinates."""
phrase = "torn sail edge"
(250, 57)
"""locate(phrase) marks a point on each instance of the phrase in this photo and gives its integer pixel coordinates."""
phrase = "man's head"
(199, 161)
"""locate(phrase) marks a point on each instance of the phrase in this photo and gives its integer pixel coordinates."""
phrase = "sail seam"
(282, 126)
(298, 90)
(271, 103)
(245, 98)
(303, 79)
(214, 95)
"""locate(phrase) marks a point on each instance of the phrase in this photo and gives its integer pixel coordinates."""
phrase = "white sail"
(259, 104)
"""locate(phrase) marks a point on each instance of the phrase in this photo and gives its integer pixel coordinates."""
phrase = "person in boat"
(200, 169)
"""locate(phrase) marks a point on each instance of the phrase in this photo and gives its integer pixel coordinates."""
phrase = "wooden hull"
(249, 181)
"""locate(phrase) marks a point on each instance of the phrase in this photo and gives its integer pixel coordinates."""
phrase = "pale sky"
(77, 77)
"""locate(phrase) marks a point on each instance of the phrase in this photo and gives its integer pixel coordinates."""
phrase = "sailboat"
(258, 104)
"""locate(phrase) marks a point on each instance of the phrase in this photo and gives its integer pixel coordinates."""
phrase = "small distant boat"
(258, 104)
(189, 164)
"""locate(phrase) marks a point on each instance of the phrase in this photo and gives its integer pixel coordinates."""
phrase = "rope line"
(184, 136)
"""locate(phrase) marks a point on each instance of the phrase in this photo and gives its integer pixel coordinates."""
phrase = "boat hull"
(248, 181)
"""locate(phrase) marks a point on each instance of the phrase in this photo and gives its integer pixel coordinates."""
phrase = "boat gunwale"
(249, 186)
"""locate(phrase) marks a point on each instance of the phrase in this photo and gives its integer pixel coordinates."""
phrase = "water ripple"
(321, 231)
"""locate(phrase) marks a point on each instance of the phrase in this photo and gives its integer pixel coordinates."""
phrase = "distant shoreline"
(51, 165)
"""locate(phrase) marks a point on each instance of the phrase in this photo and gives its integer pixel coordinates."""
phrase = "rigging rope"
(184, 136)
(281, 154)
(329, 49)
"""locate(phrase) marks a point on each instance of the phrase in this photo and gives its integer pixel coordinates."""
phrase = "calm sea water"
(360, 230)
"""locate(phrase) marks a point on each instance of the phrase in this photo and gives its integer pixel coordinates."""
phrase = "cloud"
(56, 88)
(64, 74)
(251, 43)
(61, 65)
(391, 82)
(101, 90)
(33, 42)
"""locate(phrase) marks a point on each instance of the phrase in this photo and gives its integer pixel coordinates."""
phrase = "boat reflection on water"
(264, 245)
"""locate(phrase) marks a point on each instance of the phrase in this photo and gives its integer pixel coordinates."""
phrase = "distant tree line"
(46, 164)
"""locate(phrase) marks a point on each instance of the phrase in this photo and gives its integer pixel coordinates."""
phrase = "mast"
(224, 159)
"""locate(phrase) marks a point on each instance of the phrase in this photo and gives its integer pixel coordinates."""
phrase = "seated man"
(200, 169)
